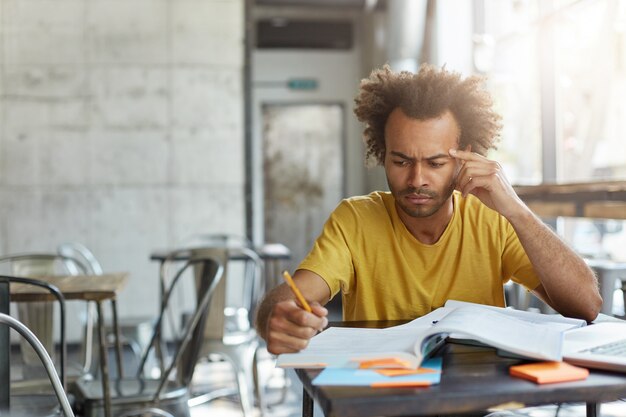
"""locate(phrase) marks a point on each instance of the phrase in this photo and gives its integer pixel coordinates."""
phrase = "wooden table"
(597, 199)
(473, 380)
(96, 288)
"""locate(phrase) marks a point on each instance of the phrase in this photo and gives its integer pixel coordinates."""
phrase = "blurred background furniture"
(167, 393)
(32, 402)
(45, 359)
(95, 289)
(229, 334)
(611, 277)
(78, 259)
(37, 316)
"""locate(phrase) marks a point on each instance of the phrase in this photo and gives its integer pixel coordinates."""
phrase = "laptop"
(601, 345)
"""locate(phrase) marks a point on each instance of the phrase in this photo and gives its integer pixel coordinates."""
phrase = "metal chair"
(27, 402)
(144, 394)
(57, 385)
(228, 333)
(37, 316)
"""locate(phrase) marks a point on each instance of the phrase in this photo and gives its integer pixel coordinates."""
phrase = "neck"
(429, 229)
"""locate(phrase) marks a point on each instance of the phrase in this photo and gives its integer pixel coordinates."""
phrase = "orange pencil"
(296, 291)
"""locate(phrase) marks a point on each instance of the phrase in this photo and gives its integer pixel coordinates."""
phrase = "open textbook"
(527, 334)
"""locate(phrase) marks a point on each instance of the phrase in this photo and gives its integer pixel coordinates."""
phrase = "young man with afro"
(451, 226)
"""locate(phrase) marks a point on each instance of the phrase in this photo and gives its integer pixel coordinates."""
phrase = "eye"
(401, 162)
(434, 164)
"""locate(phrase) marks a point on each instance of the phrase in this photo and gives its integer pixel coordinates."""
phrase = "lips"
(418, 198)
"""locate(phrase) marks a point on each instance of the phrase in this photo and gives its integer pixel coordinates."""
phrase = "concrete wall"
(121, 126)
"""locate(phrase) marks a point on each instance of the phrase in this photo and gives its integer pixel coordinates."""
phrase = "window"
(557, 71)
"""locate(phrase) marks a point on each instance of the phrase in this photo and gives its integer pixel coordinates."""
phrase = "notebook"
(600, 345)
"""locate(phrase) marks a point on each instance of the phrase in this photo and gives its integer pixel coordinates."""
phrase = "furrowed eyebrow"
(438, 156)
(430, 158)
(401, 155)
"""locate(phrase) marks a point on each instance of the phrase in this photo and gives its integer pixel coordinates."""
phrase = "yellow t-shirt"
(384, 273)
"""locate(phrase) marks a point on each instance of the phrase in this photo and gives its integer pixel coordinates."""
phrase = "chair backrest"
(251, 288)
(57, 385)
(78, 256)
(240, 253)
(61, 300)
(211, 264)
(38, 265)
(78, 259)
(34, 265)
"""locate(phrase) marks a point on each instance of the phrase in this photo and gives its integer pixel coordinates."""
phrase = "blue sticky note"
(368, 377)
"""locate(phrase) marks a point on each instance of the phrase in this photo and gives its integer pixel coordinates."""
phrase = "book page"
(553, 321)
(337, 346)
(500, 331)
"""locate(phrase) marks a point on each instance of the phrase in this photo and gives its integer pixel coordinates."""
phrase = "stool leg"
(118, 345)
(106, 392)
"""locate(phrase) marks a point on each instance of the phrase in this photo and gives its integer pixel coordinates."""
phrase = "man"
(452, 227)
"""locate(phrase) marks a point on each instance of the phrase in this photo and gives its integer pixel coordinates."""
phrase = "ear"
(468, 148)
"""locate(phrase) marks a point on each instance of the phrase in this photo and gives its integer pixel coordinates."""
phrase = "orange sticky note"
(549, 372)
(384, 363)
(401, 372)
(399, 384)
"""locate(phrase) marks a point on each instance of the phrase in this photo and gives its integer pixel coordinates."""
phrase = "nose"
(416, 176)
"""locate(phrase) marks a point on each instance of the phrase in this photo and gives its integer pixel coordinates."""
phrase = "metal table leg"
(118, 344)
(593, 409)
(307, 404)
(104, 366)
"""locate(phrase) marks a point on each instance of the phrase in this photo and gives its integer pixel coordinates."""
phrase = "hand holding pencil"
(297, 292)
(294, 317)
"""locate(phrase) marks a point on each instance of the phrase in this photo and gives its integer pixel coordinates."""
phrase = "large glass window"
(557, 70)
(506, 51)
(587, 47)
(590, 88)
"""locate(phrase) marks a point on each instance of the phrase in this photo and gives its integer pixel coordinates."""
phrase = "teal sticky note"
(368, 377)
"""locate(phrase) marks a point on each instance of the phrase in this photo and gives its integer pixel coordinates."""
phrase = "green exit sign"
(302, 84)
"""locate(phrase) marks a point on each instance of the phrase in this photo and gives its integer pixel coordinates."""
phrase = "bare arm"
(567, 283)
(285, 325)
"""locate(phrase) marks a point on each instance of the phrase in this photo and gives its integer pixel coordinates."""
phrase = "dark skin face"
(420, 171)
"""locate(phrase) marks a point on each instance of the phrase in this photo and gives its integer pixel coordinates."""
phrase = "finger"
(481, 170)
(468, 174)
(319, 310)
(278, 343)
(289, 311)
(316, 319)
(284, 325)
(466, 155)
(290, 329)
(481, 164)
(476, 182)
(462, 183)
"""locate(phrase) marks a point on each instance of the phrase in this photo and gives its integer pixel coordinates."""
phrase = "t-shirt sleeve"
(331, 257)
(515, 263)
